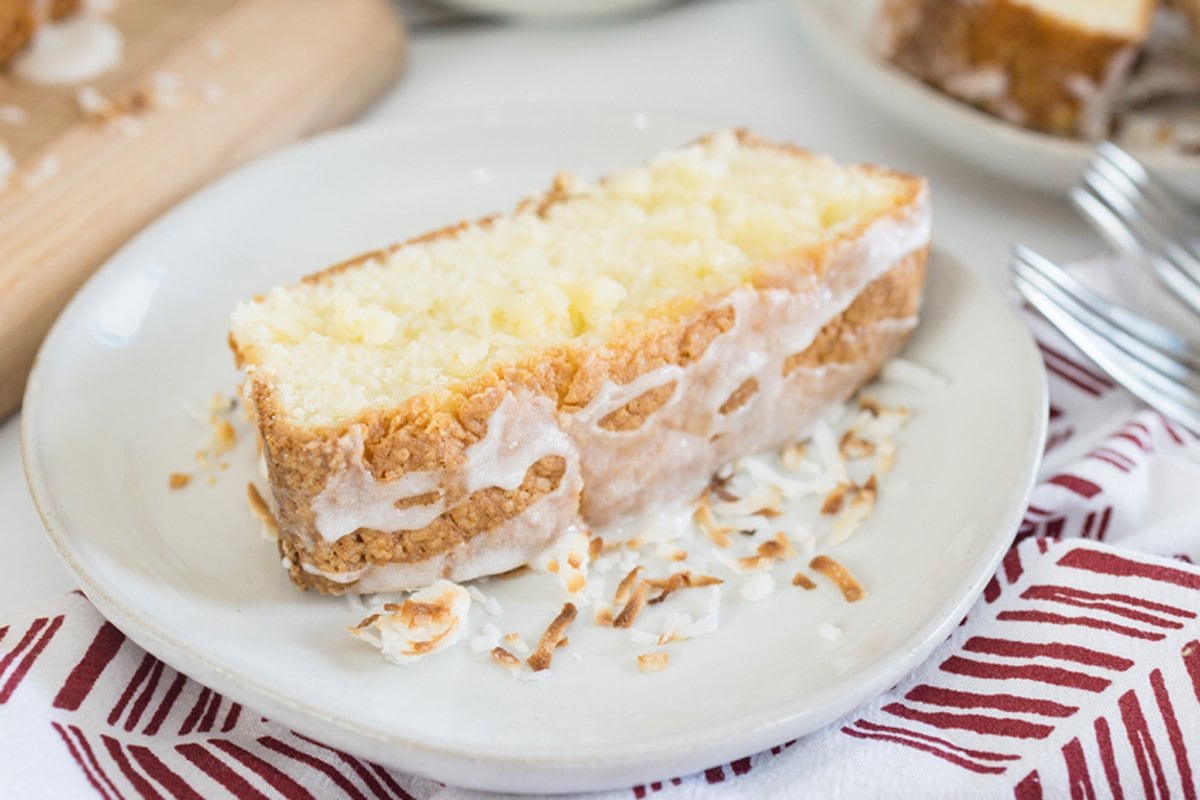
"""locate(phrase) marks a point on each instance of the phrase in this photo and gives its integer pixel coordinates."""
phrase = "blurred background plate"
(836, 30)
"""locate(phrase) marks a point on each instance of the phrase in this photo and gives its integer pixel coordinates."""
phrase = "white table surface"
(739, 61)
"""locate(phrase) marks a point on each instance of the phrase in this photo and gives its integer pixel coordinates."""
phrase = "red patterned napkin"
(1076, 674)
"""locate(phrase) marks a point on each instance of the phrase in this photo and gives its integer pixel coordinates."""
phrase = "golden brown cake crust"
(432, 432)
(1041, 58)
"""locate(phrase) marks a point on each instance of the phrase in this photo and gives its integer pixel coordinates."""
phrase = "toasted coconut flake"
(224, 436)
(859, 510)
(717, 484)
(869, 491)
(669, 552)
(430, 620)
(841, 577)
(603, 615)
(886, 459)
(261, 510)
(626, 586)
(555, 632)
(717, 534)
(870, 404)
(803, 581)
(854, 446)
(724, 495)
(778, 548)
(755, 563)
(794, 456)
(671, 584)
(367, 622)
(887, 423)
(834, 500)
(595, 548)
(506, 659)
(516, 642)
(767, 497)
(634, 607)
(563, 642)
(567, 558)
(653, 662)
(671, 635)
(178, 480)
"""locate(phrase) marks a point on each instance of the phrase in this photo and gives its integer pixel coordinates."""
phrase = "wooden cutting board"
(203, 86)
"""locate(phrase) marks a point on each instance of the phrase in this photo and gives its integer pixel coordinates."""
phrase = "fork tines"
(1141, 218)
(1153, 362)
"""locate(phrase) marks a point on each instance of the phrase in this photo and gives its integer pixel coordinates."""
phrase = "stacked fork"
(1143, 220)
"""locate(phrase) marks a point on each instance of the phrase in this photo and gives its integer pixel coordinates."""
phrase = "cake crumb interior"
(691, 222)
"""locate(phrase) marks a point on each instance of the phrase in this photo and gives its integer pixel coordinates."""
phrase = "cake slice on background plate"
(1050, 65)
(449, 407)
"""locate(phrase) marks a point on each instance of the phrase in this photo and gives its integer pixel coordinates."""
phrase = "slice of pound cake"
(450, 406)
(1051, 65)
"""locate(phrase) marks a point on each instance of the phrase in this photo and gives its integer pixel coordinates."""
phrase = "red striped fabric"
(1077, 675)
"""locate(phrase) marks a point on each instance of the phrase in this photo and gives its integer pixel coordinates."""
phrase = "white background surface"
(739, 61)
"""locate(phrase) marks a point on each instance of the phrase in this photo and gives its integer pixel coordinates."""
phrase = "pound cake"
(450, 406)
(1051, 65)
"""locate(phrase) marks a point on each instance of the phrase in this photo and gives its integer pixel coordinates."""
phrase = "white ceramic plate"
(186, 575)
(837, 30)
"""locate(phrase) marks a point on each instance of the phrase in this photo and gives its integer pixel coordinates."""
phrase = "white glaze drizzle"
(353, 498)
(521, 431)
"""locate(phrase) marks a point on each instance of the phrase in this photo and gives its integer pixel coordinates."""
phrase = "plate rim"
(404, 752)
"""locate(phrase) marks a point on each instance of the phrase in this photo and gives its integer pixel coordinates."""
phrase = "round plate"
(187, 576)
(837, 30)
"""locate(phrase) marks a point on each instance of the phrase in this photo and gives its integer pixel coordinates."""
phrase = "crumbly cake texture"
(1050, 65)
(479, 473)
(19, 20)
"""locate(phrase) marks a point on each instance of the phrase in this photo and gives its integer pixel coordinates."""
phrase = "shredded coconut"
(429, 621)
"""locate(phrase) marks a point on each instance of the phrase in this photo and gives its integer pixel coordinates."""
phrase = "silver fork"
(1156, 364)
(1141, 218)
